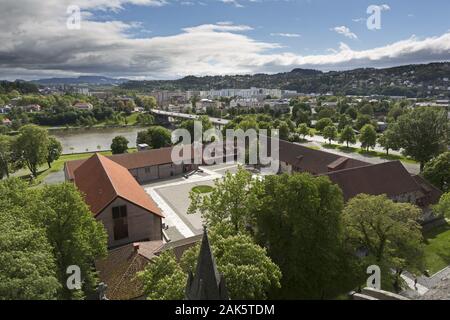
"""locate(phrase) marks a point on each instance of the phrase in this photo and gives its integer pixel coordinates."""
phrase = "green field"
(437, 248)
(202, 189)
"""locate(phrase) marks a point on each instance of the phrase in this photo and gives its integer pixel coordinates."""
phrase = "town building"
(118, 270)
(118, 201)
(83, 106)
(31, 108)
(145, 166)
(356, 177)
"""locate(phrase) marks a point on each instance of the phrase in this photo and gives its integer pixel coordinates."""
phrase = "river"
(94, 139)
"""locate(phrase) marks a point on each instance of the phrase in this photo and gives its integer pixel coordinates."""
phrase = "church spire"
(207, 283)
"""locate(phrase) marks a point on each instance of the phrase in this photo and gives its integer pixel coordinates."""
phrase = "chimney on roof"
(136, 247)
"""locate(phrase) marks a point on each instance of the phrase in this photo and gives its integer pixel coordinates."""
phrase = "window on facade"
(120, 222)
(147, 170)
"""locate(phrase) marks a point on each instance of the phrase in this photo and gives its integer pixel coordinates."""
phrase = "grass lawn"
(370, 153)
(437, 248)
(202, 189)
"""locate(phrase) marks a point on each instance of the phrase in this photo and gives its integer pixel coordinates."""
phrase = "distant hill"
(89, 80)
(408, 80)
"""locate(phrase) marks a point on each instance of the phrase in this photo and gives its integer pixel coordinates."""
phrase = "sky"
(169, 39)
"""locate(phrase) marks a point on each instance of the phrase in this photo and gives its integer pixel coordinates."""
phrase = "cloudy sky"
(167, 39)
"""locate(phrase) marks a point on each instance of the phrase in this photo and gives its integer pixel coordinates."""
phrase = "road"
(188, 116)
(411, 167)
(378, 148)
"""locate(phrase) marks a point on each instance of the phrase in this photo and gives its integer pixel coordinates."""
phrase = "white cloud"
(345, 31)
(287, 35)
(36, 43)
(233, 2)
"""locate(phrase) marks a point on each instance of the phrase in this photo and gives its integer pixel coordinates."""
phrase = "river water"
(94, 139)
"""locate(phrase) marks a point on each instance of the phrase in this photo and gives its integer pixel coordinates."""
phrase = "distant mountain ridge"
(408, 80)
(90, 80)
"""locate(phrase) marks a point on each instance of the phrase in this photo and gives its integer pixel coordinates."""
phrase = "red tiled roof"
(314, 161)
(133, 160)
(432, 194)
(102, 181)
(119, 269)
(389, 178)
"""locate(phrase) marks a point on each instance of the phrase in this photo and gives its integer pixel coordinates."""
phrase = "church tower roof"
(207, 283)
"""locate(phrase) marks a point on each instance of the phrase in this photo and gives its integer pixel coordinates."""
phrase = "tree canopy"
(249, 273)
(368, 137)
(54, 150)
(298, 221)
(387, 231)
(156, 137)
(31, 147)
(423, 133)
(52, 228)
(119, 145)
(437, 171)
(347, 135)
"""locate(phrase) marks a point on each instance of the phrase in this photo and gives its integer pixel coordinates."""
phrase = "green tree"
(389, 232)
(389, 140)
(54, 150)
(362, 120)
(231, 199)
(146, 102)
(423, 133)
(303, 130)
(323, 123)
(249, 273)
(5, 156)
(442, 208)
(298, 221)
(347, 136)
(368, 137)
(330, 133)
(437, 171)
(164, 279)
(352, 113)
(344, 120)
(283, 130)
(76, 237)
(145, 119)
(119, 145)
(27, 262)
(31, 147)
(27, 266)
(189, 124)
(156, 137)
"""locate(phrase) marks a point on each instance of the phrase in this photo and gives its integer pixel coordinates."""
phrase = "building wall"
(285, 167)
(147, 174)
(142, 224)
(410, 197)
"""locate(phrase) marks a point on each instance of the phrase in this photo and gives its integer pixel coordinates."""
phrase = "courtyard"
(172, 196)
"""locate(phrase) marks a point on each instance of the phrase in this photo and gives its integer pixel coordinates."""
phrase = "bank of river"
(93, 139)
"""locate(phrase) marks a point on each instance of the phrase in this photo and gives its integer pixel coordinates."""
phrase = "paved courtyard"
(172, 196)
